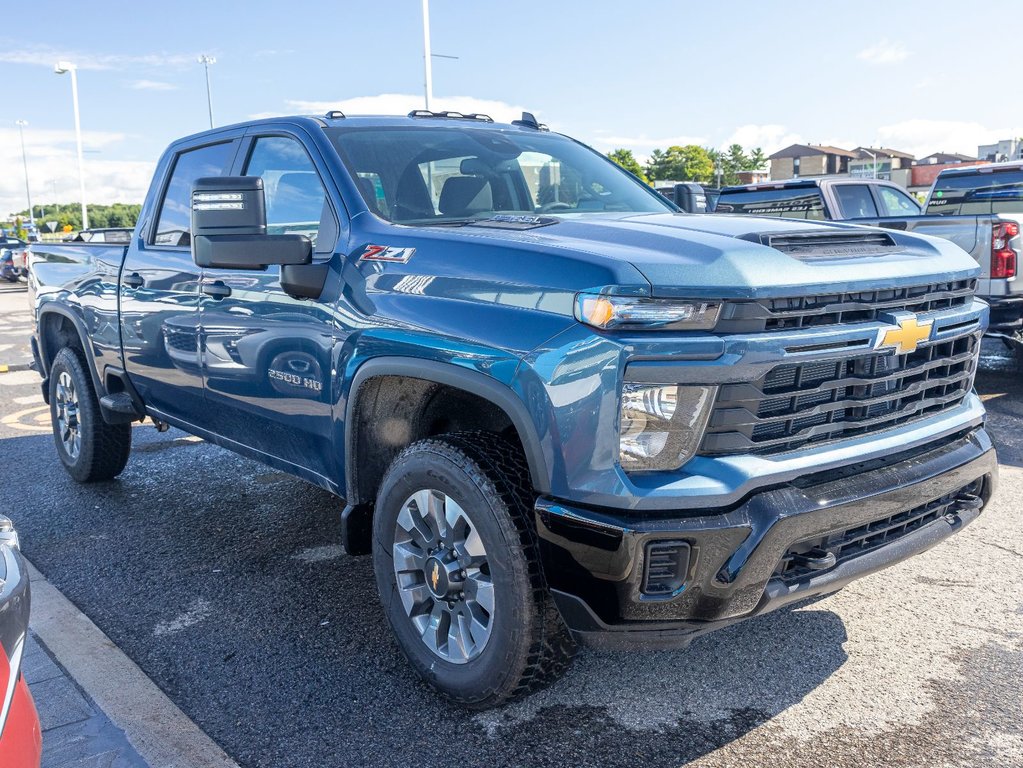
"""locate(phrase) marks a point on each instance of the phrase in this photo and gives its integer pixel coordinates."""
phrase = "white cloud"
(884, 52)
(922, 137)
(770, 138)
(152, 85)
(52, 163)
(47, 56)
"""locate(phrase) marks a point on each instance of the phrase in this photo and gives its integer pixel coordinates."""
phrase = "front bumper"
(594, 560)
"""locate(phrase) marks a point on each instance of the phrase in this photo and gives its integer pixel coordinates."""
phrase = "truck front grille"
(796, 405)
(789, 314)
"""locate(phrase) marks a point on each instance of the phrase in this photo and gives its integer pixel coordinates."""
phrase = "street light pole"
(24, 161)
(873, 158)
(206, 60)
(427, 56)
(60, 69)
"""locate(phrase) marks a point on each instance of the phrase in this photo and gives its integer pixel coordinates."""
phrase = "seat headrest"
(466, 194)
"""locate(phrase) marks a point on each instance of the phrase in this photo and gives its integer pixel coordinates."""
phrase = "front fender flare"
(456, 376)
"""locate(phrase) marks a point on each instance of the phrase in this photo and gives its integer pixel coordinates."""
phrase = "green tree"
(628, 161)
(70, 214)
(688, 163)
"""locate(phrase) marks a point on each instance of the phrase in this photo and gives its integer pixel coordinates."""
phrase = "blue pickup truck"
(557, 409)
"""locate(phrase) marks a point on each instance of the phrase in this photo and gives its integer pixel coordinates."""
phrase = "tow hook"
(161, 426)
(816, 559)
(963, 502)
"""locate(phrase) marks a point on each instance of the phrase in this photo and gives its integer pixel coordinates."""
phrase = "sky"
(916, 76)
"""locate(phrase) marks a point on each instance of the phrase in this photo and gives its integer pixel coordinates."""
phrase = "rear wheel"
(458, 570)
(88, 447)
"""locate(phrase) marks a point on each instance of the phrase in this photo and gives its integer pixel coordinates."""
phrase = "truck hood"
(723, 256)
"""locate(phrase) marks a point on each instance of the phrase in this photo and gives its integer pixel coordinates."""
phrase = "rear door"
(159, 289)
(267, 356)
(855, 201)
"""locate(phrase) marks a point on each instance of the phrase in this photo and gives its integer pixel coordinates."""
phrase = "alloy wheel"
(67, 415)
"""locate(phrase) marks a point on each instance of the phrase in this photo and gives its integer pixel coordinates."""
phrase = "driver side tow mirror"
(229, 232)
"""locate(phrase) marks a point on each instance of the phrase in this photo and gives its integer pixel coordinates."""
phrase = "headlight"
(635, 312)
(661, 425)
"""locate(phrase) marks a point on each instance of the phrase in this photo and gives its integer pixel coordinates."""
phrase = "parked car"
(20, 734)
(557, 409)
(13, 265)
(979, 208)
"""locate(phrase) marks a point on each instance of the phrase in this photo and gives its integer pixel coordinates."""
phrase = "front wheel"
(88, 447)
(457, 567)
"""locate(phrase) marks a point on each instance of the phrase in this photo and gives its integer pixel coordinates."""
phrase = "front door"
(266, 356)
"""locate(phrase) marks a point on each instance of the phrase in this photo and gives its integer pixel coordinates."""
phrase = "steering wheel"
(556, 206)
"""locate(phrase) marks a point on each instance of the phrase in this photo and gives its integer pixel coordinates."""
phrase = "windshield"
(444, 175)
(785, 203)
(977, 193)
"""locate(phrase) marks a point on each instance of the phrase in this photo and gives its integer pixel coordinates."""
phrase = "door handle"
(216, 289)
(134, 280)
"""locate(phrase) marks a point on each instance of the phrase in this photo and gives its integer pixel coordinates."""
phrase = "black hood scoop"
(826, 245)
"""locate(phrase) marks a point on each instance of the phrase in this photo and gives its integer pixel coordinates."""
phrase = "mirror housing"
(229, 227)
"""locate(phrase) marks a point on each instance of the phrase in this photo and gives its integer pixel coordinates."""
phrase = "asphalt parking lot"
(226, 583)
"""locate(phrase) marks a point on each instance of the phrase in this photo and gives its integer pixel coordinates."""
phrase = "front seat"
(466, 195)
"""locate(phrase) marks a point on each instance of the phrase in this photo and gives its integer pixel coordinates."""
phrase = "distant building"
(753, 177)
(809, 160)
(944, 158)
(923, 174)
(1007, 149)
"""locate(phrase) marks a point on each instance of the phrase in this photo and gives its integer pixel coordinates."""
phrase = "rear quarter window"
(977, 194)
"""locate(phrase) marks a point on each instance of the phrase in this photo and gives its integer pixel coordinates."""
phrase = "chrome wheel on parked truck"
(457, 567)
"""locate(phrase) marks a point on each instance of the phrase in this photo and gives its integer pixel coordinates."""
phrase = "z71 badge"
(387, 253)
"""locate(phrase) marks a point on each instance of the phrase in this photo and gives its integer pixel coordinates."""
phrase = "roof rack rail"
(528, 120)
(334, 114)
(451, 115)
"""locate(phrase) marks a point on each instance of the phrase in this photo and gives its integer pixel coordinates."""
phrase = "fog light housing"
(661, 425)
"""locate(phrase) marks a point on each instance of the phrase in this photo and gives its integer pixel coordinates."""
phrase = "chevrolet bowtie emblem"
(435, 576)
(906, 336)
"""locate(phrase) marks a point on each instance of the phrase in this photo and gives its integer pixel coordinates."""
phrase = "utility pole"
(60, 69)
(24, 161)
(206, 60)
(427, 55)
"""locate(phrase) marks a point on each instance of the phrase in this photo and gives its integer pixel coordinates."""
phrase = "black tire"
(101, 450)
(528, 645)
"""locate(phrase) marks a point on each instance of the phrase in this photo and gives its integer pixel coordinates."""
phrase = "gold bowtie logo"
(905, 338)
(435, 576)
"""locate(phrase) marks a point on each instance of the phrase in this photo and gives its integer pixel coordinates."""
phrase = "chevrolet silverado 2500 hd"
(557, 409)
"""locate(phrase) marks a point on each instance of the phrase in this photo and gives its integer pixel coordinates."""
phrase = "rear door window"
(856, 201)
(978, 193)
(897, 203)
(173, 225)
(786, 203)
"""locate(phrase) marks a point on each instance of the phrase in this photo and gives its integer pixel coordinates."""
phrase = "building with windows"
(799, 160)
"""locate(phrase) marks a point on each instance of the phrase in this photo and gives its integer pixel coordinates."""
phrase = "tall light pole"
(60, 69)
(873, 157)
(206, 60)
(24, 161)
(427, 55)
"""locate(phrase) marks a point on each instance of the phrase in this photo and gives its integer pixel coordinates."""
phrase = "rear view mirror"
(229, 227)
